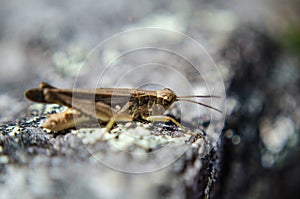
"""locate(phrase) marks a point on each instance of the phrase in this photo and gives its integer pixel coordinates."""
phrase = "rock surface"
(257, 155)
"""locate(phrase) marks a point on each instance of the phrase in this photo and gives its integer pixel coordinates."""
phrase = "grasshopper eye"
(169, 98)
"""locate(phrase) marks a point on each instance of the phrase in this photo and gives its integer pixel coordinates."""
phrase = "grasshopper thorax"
(166, 97)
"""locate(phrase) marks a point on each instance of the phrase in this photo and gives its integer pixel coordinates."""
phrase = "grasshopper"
(102, 104)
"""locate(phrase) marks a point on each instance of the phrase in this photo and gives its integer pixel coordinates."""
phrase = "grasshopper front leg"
(162, 118)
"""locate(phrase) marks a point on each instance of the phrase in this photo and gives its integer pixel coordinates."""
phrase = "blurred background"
(47, 40)
(256, 45)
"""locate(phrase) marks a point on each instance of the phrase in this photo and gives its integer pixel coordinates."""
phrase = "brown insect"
(102, 104)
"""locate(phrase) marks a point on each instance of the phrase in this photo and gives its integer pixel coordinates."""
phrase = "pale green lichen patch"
(38, 109)
(4, 159)
(132, 139)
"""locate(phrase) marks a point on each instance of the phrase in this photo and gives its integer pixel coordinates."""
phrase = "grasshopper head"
(166, 97)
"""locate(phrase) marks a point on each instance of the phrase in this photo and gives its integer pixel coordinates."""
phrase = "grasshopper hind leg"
(64, 120)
